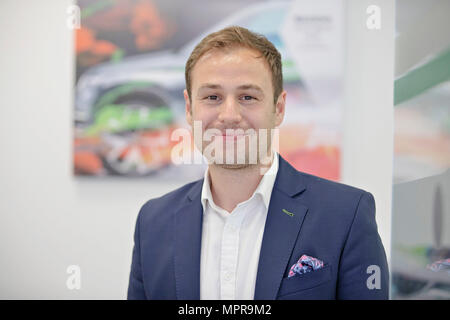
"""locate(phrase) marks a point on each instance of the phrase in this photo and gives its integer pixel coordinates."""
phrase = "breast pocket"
(305, 281)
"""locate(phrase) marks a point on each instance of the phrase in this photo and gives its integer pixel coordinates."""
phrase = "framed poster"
(130, 58)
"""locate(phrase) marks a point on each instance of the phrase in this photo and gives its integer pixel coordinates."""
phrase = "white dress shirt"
(231, 242)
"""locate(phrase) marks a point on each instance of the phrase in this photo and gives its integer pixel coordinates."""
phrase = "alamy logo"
(374, 281)
(374, 20)
(74, 280)
(74, 19)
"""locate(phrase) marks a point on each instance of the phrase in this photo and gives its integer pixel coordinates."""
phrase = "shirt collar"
(264, 187)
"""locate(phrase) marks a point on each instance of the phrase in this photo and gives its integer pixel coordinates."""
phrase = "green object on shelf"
(418, 80)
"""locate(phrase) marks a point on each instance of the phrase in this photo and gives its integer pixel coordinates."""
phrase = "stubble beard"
(247, 163)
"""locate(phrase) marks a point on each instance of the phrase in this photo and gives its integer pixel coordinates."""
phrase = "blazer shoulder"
(167, 201)
(322, 192)
(314, 186)
(327, 185)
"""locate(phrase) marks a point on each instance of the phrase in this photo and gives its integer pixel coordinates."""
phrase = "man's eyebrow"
(250, 86)
(241, 87)
(209, 86)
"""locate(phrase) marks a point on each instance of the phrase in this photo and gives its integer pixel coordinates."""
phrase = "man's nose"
(230, 111)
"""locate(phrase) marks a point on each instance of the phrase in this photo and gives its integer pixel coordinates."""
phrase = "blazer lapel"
(284, 220)
(188, 234)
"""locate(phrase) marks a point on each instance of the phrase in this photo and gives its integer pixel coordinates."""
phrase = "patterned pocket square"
(305, 264)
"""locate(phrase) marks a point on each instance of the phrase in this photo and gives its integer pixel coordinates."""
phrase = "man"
(250, 230)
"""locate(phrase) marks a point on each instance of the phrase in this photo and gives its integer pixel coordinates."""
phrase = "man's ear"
(188, 107)
(280, 108)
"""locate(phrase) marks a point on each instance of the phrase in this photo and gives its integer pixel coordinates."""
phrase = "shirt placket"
(229, 255)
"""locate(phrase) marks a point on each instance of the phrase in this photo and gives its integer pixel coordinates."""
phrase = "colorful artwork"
(130, 58)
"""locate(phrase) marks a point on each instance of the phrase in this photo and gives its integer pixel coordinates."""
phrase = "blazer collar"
(289, 180)
(290, 187)
(264, 187)
(188, 237)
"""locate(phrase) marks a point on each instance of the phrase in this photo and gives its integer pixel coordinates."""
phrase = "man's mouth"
(233, 134)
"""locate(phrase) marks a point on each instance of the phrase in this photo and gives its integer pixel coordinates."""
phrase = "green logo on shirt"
(288, 213)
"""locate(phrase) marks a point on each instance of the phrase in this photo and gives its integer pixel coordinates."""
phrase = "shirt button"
(233, 228)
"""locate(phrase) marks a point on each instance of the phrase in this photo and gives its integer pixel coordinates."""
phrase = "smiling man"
(252, 229)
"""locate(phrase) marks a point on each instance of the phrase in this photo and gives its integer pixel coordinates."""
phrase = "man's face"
(232, 89)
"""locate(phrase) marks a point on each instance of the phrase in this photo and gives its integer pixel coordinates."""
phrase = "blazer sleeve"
(363, 269)
(136, 285)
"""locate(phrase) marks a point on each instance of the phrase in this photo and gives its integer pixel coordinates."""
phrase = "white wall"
(368, 139)
(50, 220)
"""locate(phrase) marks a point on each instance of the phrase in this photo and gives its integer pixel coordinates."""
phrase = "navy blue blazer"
(331, 221)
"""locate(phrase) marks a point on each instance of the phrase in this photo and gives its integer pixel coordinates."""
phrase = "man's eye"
(247, 98)
(212, 97)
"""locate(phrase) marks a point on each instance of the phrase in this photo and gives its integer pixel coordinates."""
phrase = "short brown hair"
(241, 37)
